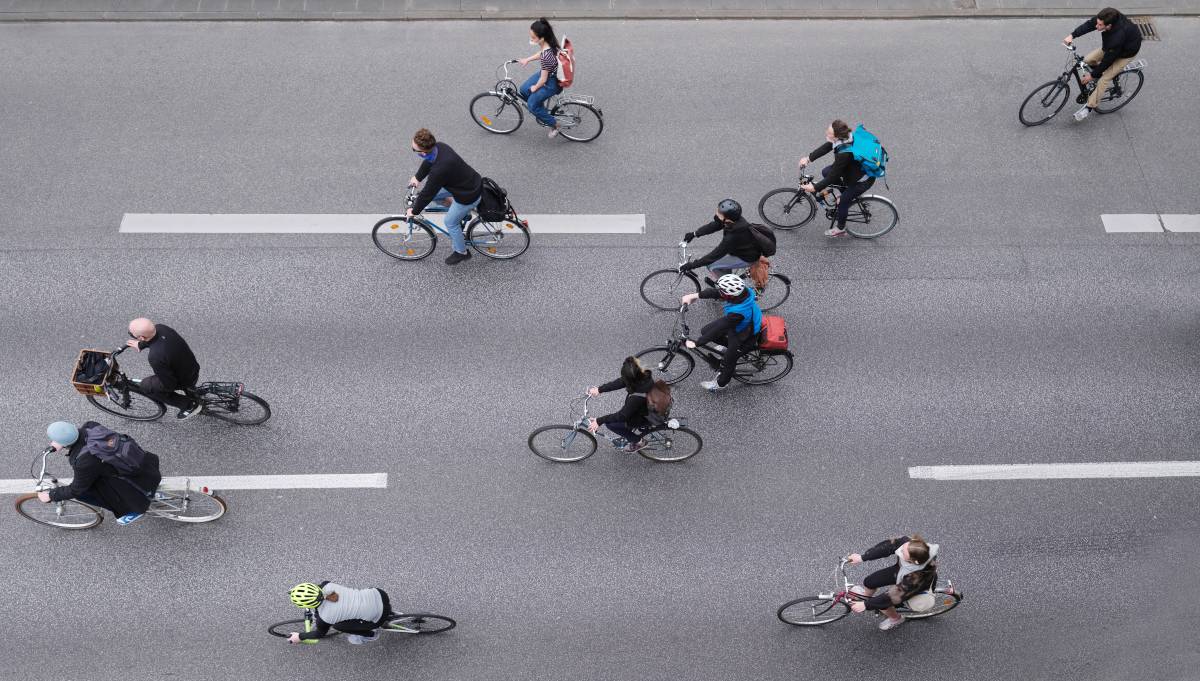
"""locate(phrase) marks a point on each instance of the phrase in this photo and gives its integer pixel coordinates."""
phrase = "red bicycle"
(813, 611)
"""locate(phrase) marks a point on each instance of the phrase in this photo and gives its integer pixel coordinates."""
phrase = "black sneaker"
(457, 257)
(191, 411)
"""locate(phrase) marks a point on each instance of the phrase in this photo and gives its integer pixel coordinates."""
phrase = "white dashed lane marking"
(300, 223)
(230, 482)
(1051, 471)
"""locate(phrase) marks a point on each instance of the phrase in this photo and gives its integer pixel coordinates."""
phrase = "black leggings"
(735, 344)
(848, 195)
(881, 578)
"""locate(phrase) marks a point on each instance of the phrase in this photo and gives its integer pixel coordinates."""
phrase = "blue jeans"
(538, 99)
(455, 217)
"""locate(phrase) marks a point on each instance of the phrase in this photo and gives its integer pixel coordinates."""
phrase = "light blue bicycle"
(415, 238)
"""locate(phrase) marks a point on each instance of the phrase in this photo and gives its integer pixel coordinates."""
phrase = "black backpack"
(92, 368)
(765, 237)
(115, 449)
(493, 204)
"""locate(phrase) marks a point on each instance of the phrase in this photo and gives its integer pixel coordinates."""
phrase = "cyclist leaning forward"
(738, 247)
(356, 612)
(844, 171)
(633, 415)
(738, 327)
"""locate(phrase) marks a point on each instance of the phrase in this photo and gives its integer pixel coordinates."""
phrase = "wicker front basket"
(89, 388)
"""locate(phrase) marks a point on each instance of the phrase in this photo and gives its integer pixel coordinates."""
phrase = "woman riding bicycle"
(544, 84)
(633, 415)
(738, 327)
(913, 575)
(844, 171)
(357, 612)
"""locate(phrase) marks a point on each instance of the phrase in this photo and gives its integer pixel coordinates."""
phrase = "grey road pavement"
(998, 324)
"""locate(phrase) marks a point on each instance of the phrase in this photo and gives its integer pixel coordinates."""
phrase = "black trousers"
(848, 195)
(155, 387)
(735, 344)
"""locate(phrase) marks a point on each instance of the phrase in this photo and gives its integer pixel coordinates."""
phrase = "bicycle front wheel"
(128, 404)
(870, 217)
(578, 122)
(812, 611)
(562, 444)
(421, 623)
(671, 366)
(943, 601)
(247, 410)
(65, 515)
(496, 113)
(669, 446)
(285, 629)
(786, 208)
(502, 240)
(664, 288)
(760, 368)
(1044, 103)
(188, 506)
(403, 239)
(778, 289)
(1121, 91)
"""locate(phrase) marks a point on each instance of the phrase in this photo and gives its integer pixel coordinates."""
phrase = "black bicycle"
(869, 217)
(662, 289)
(122, 396)
(1048, 99)
(502, 110)
(412, 624)
(675, 362)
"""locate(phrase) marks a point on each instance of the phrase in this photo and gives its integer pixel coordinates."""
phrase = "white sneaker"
(712, 386)
(889, 623)
(834, 231)
(359, 639)
(1082, 113)
(553, 133)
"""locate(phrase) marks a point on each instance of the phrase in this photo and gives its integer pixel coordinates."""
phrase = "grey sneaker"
(1082, 113)
(712, 386)
(889, 623)
(359, 639)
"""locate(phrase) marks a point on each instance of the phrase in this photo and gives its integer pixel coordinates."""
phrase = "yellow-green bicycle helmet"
(306, 595)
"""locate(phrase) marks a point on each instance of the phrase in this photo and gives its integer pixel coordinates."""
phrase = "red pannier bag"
(774, 334)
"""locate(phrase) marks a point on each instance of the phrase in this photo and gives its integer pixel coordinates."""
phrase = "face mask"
(428, 157)
(534, 42)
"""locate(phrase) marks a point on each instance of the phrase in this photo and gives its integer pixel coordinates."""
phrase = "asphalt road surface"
(999, 323)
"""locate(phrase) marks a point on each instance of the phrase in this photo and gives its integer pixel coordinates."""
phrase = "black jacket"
(171, 358)
(100, 480)
(633, 412)
(1121, 41)
(737, 240)
(447, 171)
(844, 171)
(912, 583)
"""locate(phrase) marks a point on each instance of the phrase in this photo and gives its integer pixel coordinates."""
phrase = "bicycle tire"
(668, 440)
(783, 216)
(770, 298)
(494, 234)
(493, 108)
(81, 516)
(662, 289)
(779, 362)
(1044, 103)
(871, 210)
(812, 611)
(581, 112)
(213, 506)
(106, 403)
(420, 623)
(418, 244)
(1121, 81)
(944, 602)
(545, 447)
(661, 355)
(284, 629)
(240, 417)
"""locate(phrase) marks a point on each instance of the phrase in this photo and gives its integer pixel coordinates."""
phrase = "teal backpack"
(869, 153)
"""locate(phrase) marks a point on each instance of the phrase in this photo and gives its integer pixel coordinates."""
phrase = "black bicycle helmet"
(730, 209)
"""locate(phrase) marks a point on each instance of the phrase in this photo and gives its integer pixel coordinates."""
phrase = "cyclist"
(446, 176)
(544, 84)
(89, 449)
(1120, 41)
(738, 247)
(356, 612)
(738, 327)
(844, 171)
(632, 416)
(913, 575)
(174, 365)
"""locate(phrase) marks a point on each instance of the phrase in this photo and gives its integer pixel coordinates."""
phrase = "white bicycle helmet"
(731, 285)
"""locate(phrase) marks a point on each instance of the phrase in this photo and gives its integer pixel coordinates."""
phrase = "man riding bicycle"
(738, 327)
(110, 470)
(447, 177)
(910, 579)
(738, 247)
(356, 612)
(1120, 41)
(174, 365)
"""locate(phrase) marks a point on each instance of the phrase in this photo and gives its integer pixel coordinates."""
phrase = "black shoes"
(195, 408)
(457, 257)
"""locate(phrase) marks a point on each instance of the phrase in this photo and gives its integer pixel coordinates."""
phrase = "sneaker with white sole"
(359, 639)
(129, 518)
(553, 133)
(889, 623)
(834, 231)
(195, 408)
(712, 386)
(633, 447)
(1082, 113)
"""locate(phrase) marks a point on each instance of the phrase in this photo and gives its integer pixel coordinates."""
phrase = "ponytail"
(542, 29)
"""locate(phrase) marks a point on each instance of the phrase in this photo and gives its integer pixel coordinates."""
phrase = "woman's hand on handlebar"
(593, 391)
(804, 161)
(593, 426)
(691, 344)
(808, 187)
(854, 559)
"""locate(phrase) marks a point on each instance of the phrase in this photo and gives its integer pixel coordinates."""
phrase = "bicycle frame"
(164, 502)
(411, 199)
(843, 587)
(582, 424)
(1076, 67)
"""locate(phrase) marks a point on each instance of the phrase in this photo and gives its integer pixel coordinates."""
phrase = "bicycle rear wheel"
(663, 289)
(128, 404)
(812, 611)
(562, 444)
(671, 445)
(65, 515)
(502, 240)
(496, 113)
(402, 239)
(1121, 91)
(870, 217)
(421, 623)
(786, 208)
(248, 410)
(943, 601)
(578, 122)
(671, 366)
(760, 368)
(1044, 103)
(778, 289)
(188, 506)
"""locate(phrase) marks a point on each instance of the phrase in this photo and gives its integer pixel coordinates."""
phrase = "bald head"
(142, 329)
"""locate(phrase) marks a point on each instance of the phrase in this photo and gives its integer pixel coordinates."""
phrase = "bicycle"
(121, 396)
(754, 367)
(669, 442)
(500, 110)
(186, 505)
(824, 608)
(414, 238)
(1048, 99)
(413, 624)
(869, 216)
(662, 289)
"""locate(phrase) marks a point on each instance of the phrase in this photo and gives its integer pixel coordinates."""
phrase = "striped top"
(550, 62)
